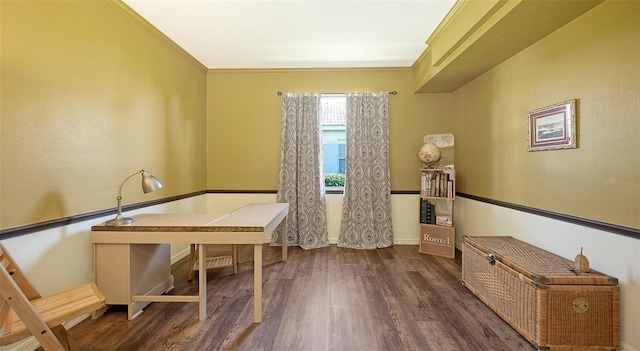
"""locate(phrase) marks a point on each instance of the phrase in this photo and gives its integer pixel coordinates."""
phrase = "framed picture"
(552, 127)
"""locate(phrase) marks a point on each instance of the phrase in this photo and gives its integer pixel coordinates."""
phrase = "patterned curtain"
(366, 210)
(301, 181)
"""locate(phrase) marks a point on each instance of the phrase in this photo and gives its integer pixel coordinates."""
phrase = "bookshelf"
(437, 195)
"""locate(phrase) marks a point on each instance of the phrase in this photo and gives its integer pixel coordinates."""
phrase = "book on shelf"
(426, 184)
(444, 187)
(436, 184)
(432, 213)
(423, 210)
(427, 212)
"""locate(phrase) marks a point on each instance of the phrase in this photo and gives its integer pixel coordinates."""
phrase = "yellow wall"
(596, 59)
(90, 95)
(243, 130)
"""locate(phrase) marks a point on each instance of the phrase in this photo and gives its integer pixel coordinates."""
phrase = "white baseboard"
(178, 256)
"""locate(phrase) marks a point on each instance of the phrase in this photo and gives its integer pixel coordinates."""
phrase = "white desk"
(132, 263)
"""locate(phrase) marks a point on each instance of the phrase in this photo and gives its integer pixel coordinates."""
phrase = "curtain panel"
(300, 179)
(366, 210)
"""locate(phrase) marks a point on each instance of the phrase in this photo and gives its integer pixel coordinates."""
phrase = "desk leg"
(202, 281)
(257, 283)
(284, 239)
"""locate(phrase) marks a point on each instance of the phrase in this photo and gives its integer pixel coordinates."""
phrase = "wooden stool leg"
(5, 310)
(64, 338)
(234, 258)
(193, 257)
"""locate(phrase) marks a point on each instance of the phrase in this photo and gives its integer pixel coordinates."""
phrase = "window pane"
(333, 116)
(342, 152)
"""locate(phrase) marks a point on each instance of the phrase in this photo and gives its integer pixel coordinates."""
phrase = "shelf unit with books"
(437, 195)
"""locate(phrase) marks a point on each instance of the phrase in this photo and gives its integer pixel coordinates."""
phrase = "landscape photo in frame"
(552, 127)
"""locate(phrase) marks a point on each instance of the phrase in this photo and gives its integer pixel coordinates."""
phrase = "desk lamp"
(149, 184)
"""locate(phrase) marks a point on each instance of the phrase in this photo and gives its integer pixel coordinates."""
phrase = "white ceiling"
(297, 33)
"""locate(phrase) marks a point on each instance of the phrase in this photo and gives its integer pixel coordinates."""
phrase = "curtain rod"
(390, 93)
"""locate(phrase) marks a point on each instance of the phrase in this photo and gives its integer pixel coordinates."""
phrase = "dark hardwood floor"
(326, 299)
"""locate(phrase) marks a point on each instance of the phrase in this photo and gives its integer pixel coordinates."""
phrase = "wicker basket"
(541, 296)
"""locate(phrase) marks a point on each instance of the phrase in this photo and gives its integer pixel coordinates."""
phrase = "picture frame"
(552, 127)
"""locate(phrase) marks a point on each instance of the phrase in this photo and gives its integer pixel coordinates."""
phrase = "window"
(333, 115)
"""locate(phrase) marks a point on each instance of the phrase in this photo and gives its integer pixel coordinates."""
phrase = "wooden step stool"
(24, 312)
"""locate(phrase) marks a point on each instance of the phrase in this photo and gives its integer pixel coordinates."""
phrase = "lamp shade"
(150, 183)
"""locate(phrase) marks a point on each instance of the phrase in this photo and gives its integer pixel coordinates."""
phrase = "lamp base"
(118, 221)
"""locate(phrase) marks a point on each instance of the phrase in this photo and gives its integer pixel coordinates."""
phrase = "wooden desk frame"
(145, 243)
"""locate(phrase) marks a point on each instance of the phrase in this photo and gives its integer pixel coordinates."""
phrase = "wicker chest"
(541, 297)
